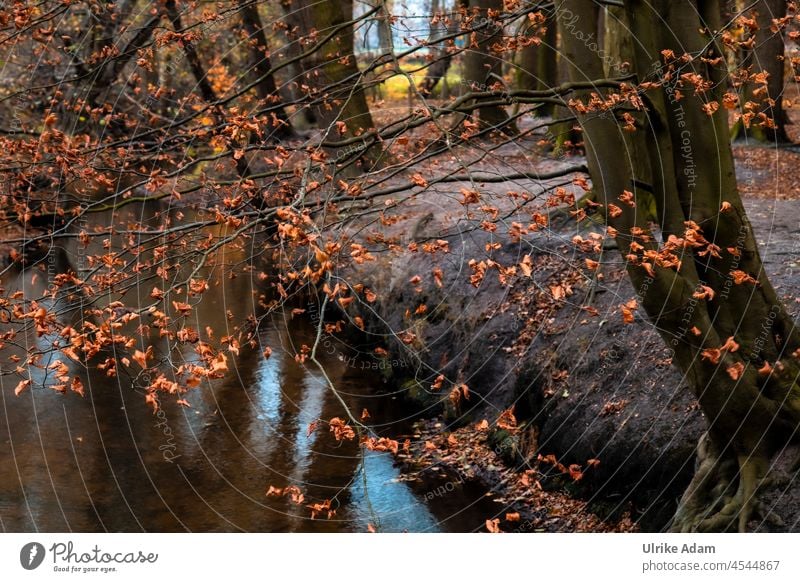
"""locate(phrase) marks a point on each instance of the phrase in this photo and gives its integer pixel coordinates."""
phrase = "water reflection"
(107, 463)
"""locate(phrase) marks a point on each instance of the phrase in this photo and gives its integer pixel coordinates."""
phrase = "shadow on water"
(106, 462)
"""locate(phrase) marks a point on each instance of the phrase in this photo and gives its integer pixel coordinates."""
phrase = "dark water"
(107, 463)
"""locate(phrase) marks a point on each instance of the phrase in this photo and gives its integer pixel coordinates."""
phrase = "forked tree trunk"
(766, 56)
(752, 408)
(105, 77)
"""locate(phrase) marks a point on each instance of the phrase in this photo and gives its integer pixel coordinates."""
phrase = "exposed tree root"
(723, 495)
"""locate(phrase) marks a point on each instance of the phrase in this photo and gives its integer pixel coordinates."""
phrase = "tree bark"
(562, 134)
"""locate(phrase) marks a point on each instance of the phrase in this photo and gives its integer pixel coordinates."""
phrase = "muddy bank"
(525, 500)
(521, 321)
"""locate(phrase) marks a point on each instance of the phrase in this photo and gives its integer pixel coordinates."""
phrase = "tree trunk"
(618, 61)
(332, 71)
(617, 42)
(384, 27)
(261, 65)
(291, 51)
(538, 66)
(734, 344)
(482, 70)
(442, 56)
(769, 119)
(562, 134)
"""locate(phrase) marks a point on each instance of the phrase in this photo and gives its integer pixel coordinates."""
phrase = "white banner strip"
(398, 557)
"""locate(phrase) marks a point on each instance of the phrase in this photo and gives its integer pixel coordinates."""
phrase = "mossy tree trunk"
(747, 393)
(331, 69)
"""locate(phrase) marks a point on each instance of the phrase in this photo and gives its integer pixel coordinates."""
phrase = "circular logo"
(31, 555)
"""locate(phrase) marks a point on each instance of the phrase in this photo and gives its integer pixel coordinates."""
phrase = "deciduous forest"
(385, 266)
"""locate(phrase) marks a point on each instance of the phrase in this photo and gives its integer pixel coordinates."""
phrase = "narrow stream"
(106, 462)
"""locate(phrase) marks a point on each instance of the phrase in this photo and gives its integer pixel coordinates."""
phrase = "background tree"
(763, 65)
(537, 67)
(261, 65)
(331, 67)
(443, 23)
(482, 70)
